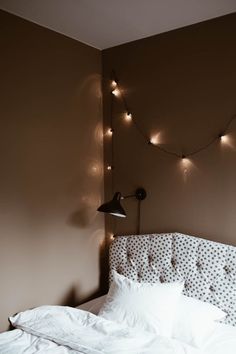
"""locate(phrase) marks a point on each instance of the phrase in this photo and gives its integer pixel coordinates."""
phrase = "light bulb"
(223, 138)
(110, 131)
(112, 237)
(116, 92)
(185, 161)
(154, 140)
(109, 167)
(128, 116)
(113, 84)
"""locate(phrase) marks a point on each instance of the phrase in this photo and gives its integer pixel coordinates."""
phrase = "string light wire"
(148, 140)
(112, 142)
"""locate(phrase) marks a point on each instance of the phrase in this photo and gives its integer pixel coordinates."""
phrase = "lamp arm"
(140, 194)
(128, 196)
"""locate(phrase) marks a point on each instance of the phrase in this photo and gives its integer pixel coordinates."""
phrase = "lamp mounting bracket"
(140, 193)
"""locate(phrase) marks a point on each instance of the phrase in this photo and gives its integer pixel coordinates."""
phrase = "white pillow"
(195, 321)
(145, 306)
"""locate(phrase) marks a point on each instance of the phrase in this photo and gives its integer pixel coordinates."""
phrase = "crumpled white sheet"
(20, 342)
(66, 330)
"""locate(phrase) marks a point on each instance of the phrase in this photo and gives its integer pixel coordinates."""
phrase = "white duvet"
(66, 330)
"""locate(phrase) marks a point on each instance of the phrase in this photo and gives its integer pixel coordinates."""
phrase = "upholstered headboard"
(208, 268)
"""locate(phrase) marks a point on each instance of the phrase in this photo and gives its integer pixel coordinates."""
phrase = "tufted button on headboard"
(208, 268)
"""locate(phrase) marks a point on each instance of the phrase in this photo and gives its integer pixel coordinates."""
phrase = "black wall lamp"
(114, 207)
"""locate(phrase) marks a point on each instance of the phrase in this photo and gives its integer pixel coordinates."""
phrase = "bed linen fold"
(63, 330)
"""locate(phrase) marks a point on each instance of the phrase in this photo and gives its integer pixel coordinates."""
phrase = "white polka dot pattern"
(208, 268)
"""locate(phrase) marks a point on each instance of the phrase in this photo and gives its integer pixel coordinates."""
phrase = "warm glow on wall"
(95, 169)
(187, 166)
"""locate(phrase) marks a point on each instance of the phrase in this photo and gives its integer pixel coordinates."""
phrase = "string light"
(223, 138)
(110, 131)
(185, 161)
(154, 141)
(116, 92)
(111, 237)
(128, 116)
(113, 84)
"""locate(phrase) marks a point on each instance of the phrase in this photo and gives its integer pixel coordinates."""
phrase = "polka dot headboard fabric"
(208, 268)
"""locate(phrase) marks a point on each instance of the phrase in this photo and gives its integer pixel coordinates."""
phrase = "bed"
(207, 270)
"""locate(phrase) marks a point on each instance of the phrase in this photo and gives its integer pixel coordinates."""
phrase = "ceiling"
(107, 23)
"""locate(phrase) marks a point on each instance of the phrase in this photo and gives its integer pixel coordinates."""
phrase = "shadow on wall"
(80, 218)
(72, 297)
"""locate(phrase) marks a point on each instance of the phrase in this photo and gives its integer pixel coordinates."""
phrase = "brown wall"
(180, 84)
(51, 177)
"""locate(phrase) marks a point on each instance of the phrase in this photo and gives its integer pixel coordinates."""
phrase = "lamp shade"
(113, 207)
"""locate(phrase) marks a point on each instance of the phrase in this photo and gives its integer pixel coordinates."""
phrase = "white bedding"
(222, 341)
(20, 342)
(65, 330)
